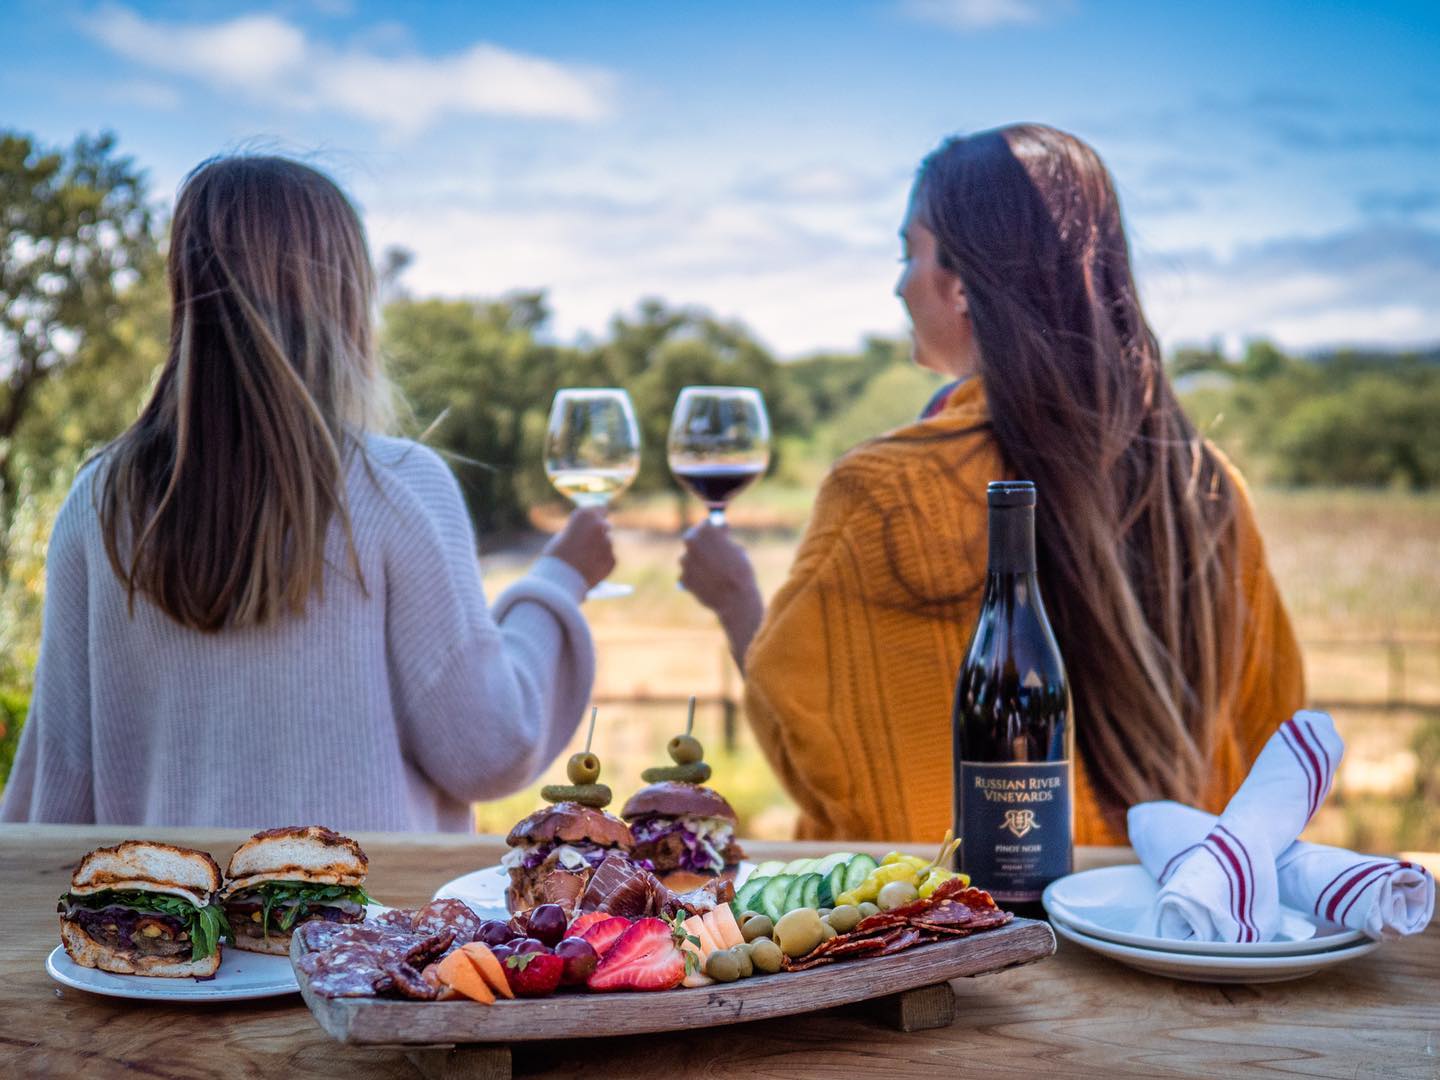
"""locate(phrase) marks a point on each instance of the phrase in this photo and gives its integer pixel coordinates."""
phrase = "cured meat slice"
(950, 913)
(456, 915)
(433, 947)
(400, 918)
(410, 983)
(904, 940)
(348, 970)
(318, 936)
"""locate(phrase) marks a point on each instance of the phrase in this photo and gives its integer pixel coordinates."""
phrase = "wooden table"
(1075, 1014)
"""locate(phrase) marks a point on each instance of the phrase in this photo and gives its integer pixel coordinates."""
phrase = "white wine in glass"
(719, 443)
(592, 453)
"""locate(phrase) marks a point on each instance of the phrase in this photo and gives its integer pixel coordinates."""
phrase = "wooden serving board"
(580, 1014)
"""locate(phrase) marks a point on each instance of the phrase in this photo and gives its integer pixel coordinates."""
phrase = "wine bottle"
(1012, 722)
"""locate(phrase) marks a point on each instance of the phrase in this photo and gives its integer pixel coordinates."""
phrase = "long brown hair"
(217, 501)
(1135, 521)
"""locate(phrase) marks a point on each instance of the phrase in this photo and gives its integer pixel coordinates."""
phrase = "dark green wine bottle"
(1012, 722)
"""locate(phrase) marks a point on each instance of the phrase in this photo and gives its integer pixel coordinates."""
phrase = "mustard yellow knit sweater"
(849, 684)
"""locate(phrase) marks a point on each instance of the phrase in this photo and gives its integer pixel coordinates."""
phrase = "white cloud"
(274, 62)
(1371, 285)
(976, 14)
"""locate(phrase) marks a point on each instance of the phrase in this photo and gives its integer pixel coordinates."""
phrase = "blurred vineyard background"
(1342, 451)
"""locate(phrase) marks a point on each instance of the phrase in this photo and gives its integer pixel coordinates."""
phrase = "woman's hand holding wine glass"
(592, 453)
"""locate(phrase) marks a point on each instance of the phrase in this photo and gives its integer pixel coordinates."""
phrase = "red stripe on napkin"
(1324, 757)
(1248, 932)
(1315, 769)
(1310, 779)
(1385, 871)
(1359, 871)
(1249, 869)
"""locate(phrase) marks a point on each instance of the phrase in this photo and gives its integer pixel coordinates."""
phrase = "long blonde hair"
(1135, 525)
(217, 501)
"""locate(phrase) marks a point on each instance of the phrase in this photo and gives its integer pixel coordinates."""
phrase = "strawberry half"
(645, 957)
(602, 935)
(534, 974)
(584, 922)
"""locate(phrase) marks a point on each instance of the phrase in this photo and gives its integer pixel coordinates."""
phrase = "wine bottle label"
(1015, 821)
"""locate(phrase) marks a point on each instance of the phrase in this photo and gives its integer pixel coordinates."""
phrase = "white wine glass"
(719, 443)
(592, 453)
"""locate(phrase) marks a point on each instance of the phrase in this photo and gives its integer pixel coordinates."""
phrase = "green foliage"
(74, 234)
(478, 372)
(482, 369)
(1349, 419)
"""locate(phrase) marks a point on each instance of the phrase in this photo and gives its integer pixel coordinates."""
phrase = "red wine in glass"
(719, 442)
(716, 485)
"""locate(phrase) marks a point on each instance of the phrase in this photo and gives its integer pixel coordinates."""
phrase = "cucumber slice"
(812, 889)
(799, 866)
(857, 870)
(795, 894)
(833, 886)
(772, 896)
(748, 896)
(829, 862)
(768, 869)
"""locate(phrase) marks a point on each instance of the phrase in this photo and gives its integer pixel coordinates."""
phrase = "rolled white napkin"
(1384, 898)
(1223, 886)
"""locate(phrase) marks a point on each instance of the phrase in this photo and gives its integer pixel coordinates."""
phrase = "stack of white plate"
(1112, 912)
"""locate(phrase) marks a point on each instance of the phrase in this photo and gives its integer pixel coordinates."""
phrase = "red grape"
(548, 923)
(580, 960)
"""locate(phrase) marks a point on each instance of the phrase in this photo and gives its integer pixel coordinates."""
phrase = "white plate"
(242, 975)
(484, 889)
(1216, 969)
(1117, 903)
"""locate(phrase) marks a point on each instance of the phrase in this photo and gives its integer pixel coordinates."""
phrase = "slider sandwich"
(281, 878)
(144, 908)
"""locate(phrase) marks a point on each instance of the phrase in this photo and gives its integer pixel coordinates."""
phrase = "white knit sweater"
(391, 709)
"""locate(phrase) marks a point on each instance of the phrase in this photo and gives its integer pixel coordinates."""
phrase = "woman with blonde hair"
(1180, 656)
(259, 609)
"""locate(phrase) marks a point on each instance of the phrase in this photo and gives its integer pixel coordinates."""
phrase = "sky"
(1278, 163)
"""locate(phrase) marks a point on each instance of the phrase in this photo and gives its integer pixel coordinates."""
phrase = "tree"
(75, 232)
(663, 350)
(476, 370)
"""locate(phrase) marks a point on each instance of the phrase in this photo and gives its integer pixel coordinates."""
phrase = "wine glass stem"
(717, 516)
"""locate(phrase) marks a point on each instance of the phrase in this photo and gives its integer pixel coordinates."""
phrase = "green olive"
(685, 750)
(844, 918)
(897, 894)
(594, 795)
(827, 931)
(742, 959)
(799, 931)
(583, 768)
(696, 773)
(824, 911)
(759, 926)
(722, 966)
(766, 956)
(867, 909)
(746, 916)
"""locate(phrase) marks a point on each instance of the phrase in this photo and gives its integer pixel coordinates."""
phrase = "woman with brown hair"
(259, 609)
(1179, 652)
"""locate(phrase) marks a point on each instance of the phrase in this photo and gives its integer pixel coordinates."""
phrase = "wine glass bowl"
(719, 443)
(592, 452)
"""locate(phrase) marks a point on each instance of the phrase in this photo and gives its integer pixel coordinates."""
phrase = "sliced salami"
(454, 915)
(320, 936)
(348, 971)
(399, 918)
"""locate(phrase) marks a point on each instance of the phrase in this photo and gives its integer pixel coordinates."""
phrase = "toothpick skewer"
(690, 720)
(591, 733)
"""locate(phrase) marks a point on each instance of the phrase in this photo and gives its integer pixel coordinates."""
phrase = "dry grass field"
(1357, 570)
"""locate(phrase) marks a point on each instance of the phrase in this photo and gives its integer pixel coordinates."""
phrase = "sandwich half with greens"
(281, 878)
(144, 908)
